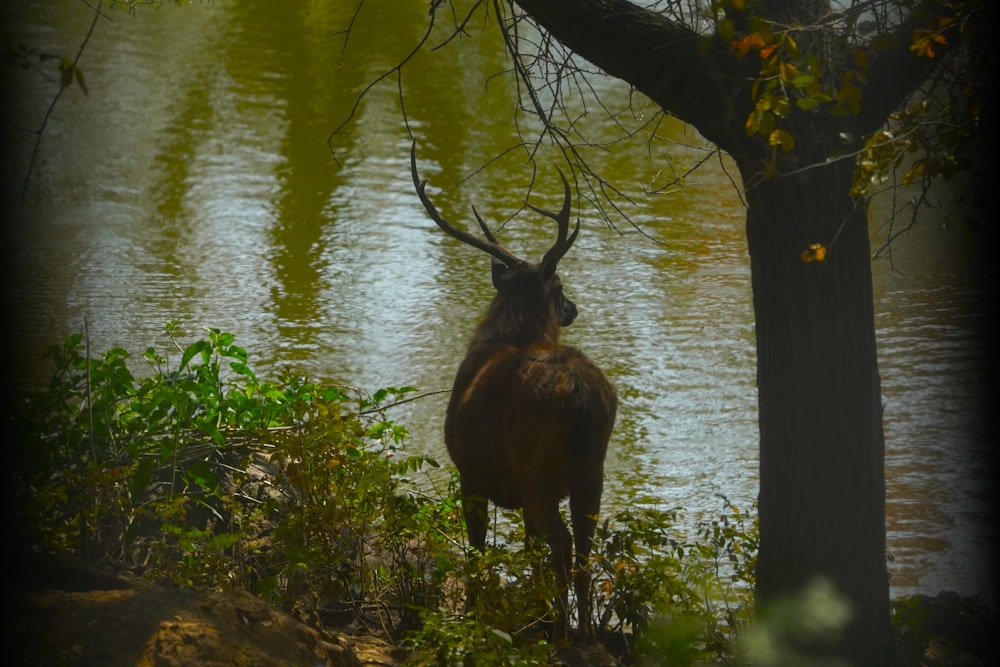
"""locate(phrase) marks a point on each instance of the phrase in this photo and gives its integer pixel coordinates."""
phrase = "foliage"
(928, 137)
(685, 601)
(446, 638)
(953, 627)
(508, 622)
(799, 630)
(202, 475)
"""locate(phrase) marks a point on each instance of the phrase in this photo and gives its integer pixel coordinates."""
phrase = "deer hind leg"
(542, 522)
(584, 505)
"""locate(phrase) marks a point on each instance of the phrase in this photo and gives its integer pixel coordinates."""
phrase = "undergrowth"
(200, 474)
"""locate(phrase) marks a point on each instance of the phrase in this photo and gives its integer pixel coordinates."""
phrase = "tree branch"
(693, 77)
(895, 73)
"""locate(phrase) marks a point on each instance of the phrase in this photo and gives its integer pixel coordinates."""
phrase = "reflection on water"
(200, 188)
(932, 340)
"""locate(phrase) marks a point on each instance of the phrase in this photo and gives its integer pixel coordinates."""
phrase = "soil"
(68, 615)
(71, 615)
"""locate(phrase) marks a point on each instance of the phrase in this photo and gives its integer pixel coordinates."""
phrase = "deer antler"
(491, 246)
(562, 244)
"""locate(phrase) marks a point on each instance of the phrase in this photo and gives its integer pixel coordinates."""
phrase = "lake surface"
(194, 183)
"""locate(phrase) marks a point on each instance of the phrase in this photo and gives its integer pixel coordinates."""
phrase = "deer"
(529, 419)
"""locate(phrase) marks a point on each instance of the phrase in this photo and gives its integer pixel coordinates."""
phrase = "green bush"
(945, 629)
(449, 639)
(203, 475)
(667, 599)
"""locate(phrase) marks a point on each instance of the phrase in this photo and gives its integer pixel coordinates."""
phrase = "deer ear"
(498, 269)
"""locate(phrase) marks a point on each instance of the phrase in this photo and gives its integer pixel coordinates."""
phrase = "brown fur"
(529, 419)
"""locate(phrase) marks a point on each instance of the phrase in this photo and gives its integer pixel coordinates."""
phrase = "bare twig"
(396, 70)
(55, 99)
(382, 408)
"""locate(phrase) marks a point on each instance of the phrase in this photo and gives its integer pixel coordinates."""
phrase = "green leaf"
(142, 476)
(207, 426)
(243, 369)
(222, 541)
(200, 347)
(781, 107)
(78, 74)
(202, 475)
(333, 394)
(234, 352)
(505, 637)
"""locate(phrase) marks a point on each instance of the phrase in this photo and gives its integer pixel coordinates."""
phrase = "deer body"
(529, 419)
(553, 430)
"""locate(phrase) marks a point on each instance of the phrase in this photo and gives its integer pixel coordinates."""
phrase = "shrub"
(200, 474)
(664, 598)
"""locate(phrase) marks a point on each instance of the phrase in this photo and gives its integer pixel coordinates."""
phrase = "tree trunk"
(822, 491)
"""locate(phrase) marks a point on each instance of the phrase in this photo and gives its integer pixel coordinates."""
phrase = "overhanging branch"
(689, 75)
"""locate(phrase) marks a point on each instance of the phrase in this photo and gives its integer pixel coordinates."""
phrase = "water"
(194, 183)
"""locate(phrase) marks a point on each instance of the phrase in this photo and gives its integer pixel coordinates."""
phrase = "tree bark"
(822, 491)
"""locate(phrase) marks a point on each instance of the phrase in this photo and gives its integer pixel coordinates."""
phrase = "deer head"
(529, 294)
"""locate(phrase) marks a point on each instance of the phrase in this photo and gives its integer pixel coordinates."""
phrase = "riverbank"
(68, 615)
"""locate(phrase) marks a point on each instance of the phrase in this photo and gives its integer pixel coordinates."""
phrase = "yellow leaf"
(782, 138)
(790, 44)
(915, 171)
(814, 253)
(788, 72)
(923, 42)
